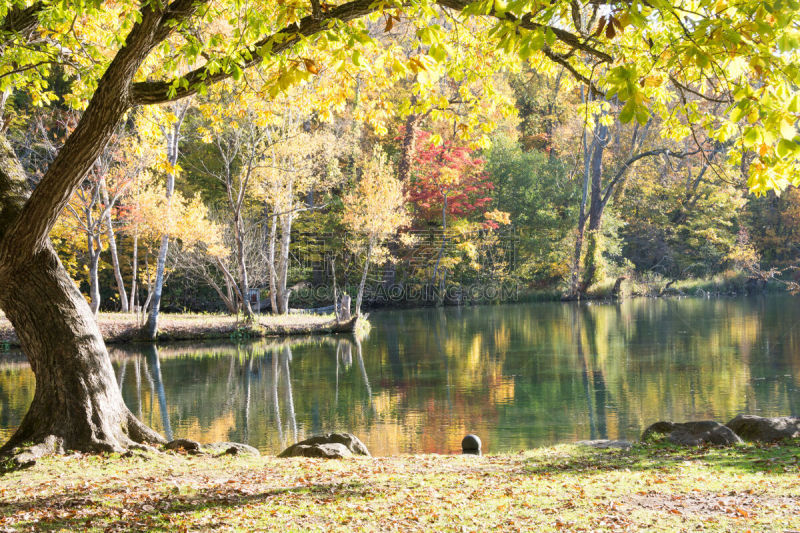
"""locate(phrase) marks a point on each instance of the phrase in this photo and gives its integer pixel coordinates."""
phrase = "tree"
(170, 126)
(375, 209)
(448, 181)
(299, 164)
(160, 51)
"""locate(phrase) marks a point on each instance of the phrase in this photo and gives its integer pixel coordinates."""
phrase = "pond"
(519, 375)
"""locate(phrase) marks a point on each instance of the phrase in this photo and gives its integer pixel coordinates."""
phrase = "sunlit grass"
(559, 488)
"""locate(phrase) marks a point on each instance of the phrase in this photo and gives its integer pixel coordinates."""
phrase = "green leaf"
(627, 113)
(785, 148)
(751, 136)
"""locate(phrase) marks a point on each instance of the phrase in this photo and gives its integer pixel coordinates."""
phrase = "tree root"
(22, 451)
(26, 456)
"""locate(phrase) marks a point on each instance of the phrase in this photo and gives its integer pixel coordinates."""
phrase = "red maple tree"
(448, 181)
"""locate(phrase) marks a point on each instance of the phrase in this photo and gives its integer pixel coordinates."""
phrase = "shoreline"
(119, 328)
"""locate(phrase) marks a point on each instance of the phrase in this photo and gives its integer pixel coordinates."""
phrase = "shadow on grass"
(747, 458)
(156, 511)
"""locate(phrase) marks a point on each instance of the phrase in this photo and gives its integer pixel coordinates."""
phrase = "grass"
(124, 327)
(567, 487)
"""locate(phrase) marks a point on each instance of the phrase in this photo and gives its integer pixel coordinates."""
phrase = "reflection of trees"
(593, 381)
(518, 375)
(154, 363)
(286, 358)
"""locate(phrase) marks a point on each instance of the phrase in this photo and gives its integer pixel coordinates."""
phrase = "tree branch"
(157, 92)
(28, 233)
(625, 166)
(22, 22)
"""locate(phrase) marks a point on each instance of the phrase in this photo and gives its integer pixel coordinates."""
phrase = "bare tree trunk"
(93, 244)
(360, 296)
(408, 147)
(231, 284)
(336, 307)
(172, 136)
(594, 247)
(273, 282)
(135, 272)
(245, 290)
(112, 248)
(283, 264)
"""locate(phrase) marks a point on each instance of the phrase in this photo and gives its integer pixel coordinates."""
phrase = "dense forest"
(242, 195)
(409, 183)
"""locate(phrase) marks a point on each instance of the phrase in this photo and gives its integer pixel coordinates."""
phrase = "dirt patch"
(698, 503)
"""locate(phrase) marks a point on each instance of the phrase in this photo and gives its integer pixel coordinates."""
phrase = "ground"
(124, 327)
(568, 488)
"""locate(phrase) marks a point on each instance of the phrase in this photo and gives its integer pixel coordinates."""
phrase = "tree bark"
(594, 246)
(273, 278)
(77, 404)
(408, 147)
(283, 264)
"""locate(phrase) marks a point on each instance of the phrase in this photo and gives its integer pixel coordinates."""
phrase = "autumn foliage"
(448, 174)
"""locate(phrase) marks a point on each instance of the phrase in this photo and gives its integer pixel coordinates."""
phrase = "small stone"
(471, 445)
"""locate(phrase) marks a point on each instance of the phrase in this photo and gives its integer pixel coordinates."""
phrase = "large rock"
(754, 428)
(693, 433)
(331, 450)
(330, 445)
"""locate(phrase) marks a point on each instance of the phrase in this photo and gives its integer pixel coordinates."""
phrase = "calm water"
(517, 375)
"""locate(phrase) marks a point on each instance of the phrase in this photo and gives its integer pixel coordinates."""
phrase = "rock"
(186, 444)
(693, 433)
(230, 448)
(754, 428)
(329, 445)
(471, 444)
(604, 444)
(331, 450)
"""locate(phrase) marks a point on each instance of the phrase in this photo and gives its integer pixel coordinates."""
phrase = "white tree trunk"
(112, 248)
(363, 283)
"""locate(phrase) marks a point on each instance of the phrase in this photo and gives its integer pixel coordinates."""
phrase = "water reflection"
(519, 376)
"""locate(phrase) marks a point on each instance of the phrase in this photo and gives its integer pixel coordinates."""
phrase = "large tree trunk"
(77, 404)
